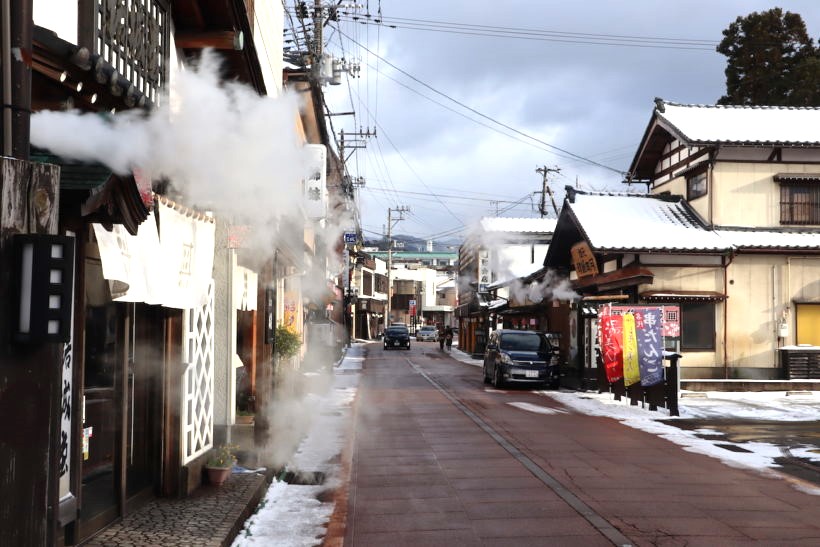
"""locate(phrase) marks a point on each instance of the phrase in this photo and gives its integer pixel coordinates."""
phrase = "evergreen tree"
(771, 61)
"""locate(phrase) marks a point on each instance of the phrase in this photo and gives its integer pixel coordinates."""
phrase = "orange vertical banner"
(632, 371)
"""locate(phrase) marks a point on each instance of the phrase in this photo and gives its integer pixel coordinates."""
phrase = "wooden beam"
(221, 39)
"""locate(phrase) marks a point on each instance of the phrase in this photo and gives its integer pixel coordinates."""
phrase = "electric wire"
(546, 36)
(493, 120)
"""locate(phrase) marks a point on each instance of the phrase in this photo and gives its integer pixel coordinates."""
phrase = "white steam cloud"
(222, 148)
(509, 262)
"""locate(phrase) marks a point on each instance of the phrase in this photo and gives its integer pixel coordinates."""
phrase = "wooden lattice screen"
(198, 380)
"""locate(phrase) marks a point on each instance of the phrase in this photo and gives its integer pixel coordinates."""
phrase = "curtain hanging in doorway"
(172, 267)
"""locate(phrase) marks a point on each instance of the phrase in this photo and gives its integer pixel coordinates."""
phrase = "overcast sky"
(591, 98)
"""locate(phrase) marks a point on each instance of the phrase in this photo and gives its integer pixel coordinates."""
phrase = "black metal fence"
(662, 395)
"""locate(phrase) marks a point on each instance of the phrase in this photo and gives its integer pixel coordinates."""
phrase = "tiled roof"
(742, 124)
(642, 222)
(770, 239)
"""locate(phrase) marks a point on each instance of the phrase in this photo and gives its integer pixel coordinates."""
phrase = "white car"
(427, 333)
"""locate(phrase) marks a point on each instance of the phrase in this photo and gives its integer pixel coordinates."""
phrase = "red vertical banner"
(612, 346)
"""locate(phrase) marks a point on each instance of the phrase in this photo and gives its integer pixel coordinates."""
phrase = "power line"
(493, 120)
(540, 35)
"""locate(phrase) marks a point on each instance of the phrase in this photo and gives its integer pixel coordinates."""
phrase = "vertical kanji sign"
(612, 346)
(650, 346)
(632, 372)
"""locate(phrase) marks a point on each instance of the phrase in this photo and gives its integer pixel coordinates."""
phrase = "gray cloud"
(588, 99)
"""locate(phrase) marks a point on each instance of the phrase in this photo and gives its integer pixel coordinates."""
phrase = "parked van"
(520, 356)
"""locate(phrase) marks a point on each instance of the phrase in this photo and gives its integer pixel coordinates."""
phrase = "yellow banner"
(632, 372)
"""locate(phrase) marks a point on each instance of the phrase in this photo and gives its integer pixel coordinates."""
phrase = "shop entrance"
(120, 417)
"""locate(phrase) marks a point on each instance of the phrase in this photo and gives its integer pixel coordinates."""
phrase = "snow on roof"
(523, 225)
(743, 124)
(770, 239)
(642, 222)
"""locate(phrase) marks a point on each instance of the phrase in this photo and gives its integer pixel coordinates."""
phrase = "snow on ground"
(777, 406)
(773, 406)
(291, 515)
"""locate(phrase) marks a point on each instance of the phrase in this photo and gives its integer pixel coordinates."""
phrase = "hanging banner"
(632, 372)
(670, 320)
(650, 346)
(612, 346)
(130, 260)
(290, 311)
(186, 258)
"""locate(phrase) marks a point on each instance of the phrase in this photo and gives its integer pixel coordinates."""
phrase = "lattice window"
(198, 380)
(133, 35)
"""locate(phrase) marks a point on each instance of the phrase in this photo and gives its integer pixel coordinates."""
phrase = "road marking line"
(596, 520)
(529, 407)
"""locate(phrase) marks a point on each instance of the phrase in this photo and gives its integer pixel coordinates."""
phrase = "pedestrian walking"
(441, 339)
(448, 338)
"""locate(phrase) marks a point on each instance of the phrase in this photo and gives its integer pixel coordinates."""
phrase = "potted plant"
(220, 461)
(286, 342)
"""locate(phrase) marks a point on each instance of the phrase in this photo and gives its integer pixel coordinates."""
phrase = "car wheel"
(498, 378)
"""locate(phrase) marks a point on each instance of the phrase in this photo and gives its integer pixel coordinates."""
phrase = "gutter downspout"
(20, 29)
(5, 62)
(731, 257)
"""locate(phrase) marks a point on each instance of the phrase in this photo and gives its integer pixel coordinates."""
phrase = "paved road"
(442, 459)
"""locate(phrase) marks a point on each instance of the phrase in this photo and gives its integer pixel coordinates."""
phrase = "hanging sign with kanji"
(650, 346)
(612, 346)
(583, 260)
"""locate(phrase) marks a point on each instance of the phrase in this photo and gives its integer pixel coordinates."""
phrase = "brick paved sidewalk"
(210, 517)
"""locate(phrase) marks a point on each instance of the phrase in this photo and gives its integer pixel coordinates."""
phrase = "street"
(440, 458)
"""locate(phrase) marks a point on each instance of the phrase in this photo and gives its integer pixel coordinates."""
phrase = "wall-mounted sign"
(350, 237)
(483, 270)
(583, 260)
(316, 198)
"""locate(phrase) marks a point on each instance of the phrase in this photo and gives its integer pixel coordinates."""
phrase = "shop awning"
(683, 296)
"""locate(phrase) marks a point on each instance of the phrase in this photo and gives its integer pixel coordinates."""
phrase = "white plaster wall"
(761, 291)
(745, 194)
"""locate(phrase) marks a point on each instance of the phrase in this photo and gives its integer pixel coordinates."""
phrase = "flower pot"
(218, 475)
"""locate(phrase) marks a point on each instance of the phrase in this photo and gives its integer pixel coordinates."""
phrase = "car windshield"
(428, 329)
(524, 342)
(396, 330)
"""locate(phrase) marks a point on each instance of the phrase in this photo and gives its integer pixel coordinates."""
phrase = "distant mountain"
(414, 244)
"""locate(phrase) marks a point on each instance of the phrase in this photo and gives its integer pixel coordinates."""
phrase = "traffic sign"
(350, 237)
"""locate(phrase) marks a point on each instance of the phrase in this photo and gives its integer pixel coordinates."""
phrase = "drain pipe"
(16, 58)
(730, 258)
(5, 61)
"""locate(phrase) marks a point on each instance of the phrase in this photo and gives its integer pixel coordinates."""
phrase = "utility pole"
(353, 141)
(400, 210)
(545, 189)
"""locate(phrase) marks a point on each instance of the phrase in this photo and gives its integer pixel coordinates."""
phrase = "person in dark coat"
(448, 338)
